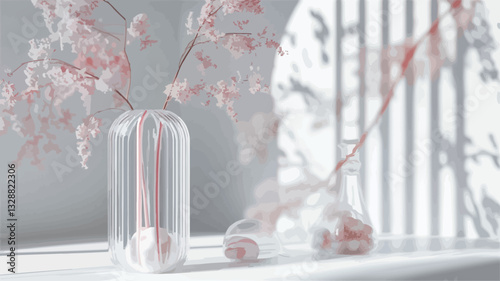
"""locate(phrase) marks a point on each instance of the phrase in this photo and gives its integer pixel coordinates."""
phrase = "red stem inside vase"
(139, 183)
(144, 198)
(157, 199)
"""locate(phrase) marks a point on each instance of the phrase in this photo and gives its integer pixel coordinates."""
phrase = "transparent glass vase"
(148, 181)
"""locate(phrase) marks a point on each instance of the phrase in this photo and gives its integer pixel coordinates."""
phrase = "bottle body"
(353, 233)
(148, 184)
(344, 226)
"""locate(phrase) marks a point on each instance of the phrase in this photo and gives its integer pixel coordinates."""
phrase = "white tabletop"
(395, 258)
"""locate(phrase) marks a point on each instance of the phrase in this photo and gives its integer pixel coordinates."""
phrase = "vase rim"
(148, 110)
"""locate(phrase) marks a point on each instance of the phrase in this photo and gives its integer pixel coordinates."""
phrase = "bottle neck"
(350, 187)
(350, 195)
(350, 192)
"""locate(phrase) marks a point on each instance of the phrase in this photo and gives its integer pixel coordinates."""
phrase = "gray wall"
(63, 203)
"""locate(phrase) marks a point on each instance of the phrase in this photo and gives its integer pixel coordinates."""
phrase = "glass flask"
(250, 239)
(148, 185)
(353, 232)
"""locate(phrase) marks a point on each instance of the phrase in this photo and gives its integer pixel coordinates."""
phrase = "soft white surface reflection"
(404, 258)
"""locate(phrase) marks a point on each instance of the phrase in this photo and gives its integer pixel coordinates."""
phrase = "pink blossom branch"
(211, 14)
(124, 46)
(54, 61)
(91, 75)
(455, 8)
(185, 51)
(238, 33)
(188, 49)
(231, 33)
(125, 99)
(106, 33)
(183, 58)
(104, 110)
(202, 42)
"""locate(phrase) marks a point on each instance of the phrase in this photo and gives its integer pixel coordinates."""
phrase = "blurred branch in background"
(399, 60)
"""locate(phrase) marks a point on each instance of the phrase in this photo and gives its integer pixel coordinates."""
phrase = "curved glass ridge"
(148, 184)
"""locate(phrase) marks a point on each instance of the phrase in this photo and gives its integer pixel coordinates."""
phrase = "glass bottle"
(353, 233)
(148, 184)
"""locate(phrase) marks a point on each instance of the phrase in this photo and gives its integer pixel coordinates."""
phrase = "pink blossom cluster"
(9, 95)
(251, 6)
(100, 64)
(353, 236)
(147, 42)
(67, 21)
(255, 82)
(8, 99)
(89, 128)
(237, 43)
(181, 91)
(241, 23)
(208, 14)
(17, 114)
(139, 27)
(224, 93)
(349, 237)
(206, 62)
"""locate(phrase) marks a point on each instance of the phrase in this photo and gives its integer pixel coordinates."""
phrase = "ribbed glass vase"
(148, 178)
